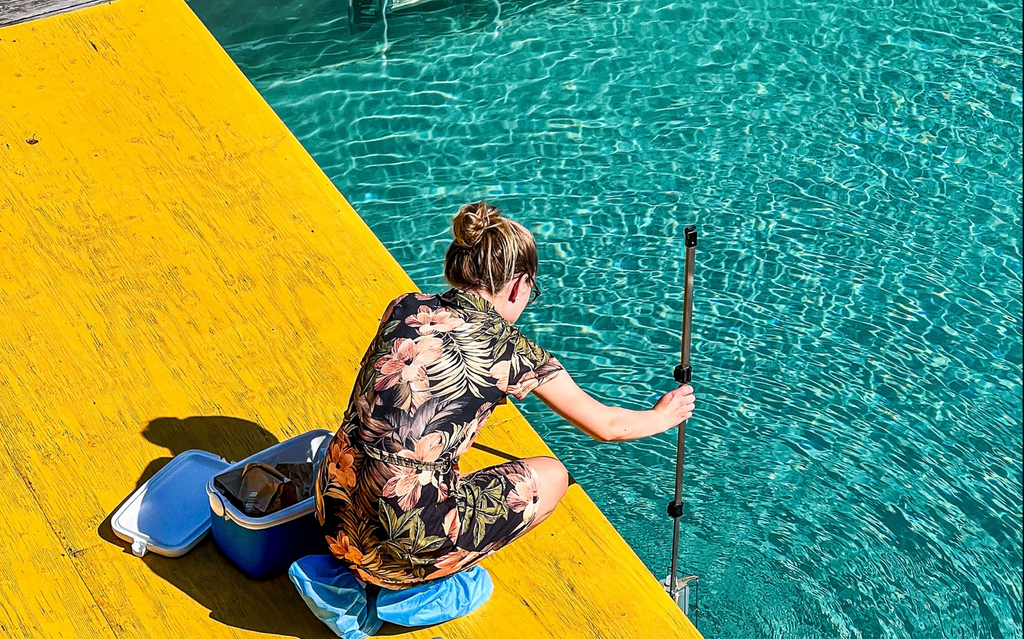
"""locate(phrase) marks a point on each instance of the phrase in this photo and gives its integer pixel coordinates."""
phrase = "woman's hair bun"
(488, 249)
(472, 221)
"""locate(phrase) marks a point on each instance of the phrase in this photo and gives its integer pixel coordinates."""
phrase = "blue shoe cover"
(436, 601)
(335, 596)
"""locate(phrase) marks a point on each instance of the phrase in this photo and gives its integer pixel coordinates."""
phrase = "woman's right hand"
(676, 406)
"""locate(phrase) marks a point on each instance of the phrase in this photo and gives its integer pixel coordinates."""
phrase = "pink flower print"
(470, 435)
(524, 497)
(453, 562)
(406, 484)
(491, 548)
(406, 365)
(428, 448)
(528, 382)
(500, 372)
(483, 413)
(440, 321)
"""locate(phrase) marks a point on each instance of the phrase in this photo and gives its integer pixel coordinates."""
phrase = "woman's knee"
(553, 479)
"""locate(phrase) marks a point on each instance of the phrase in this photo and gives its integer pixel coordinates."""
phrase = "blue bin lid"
(170, 513)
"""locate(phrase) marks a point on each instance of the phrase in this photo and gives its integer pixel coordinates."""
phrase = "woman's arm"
(610, 423)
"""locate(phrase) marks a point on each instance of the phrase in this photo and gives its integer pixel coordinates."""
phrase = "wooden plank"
(18, 11)
(176, 272)
(41, 592)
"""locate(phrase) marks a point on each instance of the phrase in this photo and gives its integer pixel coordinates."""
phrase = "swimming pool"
(854, 468)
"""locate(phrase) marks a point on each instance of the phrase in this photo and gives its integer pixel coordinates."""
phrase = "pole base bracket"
(685, 595)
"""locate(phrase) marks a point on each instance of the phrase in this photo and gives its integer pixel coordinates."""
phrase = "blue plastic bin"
(264, 547)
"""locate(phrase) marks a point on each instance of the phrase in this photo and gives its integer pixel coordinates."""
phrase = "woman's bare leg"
(552, 484)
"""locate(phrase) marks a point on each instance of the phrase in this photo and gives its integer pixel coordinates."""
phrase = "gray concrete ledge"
(17, 11)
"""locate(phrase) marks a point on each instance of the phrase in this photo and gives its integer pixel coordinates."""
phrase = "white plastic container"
(169, 514)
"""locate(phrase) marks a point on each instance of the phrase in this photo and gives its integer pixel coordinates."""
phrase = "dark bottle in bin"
(264, 547)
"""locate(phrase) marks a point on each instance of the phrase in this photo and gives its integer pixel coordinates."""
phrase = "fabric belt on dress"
(445, 463)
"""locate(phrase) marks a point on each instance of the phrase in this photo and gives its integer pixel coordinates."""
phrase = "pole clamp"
(675, 509)
(682, 373)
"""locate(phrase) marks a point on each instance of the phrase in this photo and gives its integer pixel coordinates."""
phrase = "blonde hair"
(489, 250)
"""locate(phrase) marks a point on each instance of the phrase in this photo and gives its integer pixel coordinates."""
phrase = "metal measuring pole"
(680, 589)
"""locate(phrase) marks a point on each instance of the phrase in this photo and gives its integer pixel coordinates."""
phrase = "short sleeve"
(381, 342)
(530, 367)
(391, 307)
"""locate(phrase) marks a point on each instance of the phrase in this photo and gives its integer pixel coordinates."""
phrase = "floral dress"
(394, 506)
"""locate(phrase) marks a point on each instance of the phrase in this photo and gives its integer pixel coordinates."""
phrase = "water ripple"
(854, 469)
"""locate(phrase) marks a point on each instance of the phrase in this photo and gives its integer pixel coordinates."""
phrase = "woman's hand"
(676, 406)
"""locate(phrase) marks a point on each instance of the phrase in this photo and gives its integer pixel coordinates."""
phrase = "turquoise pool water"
(854, 467)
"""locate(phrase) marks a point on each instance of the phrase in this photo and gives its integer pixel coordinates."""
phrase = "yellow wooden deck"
(176, 272)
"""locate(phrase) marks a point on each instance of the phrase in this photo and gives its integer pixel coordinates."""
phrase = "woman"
(394, 505)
